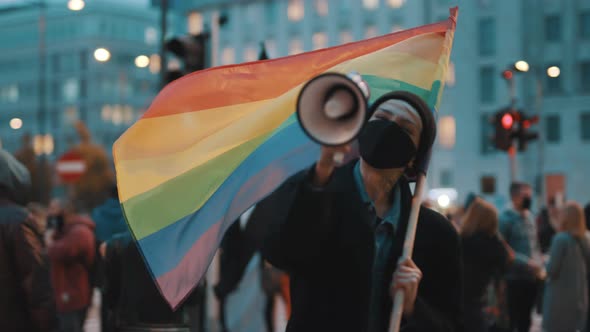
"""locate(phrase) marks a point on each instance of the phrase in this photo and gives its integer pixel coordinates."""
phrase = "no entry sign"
(70, 167)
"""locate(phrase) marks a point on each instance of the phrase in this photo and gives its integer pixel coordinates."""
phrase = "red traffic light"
(507, 121)
(507, 74)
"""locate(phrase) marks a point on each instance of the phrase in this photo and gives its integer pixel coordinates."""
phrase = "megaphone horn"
(332, 108)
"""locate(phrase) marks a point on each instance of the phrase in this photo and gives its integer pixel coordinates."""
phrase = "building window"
(487, 36)
(56, 91)
(55, 65)
(271, 48)
(271, 11)
(395, 3)
(488, 184)
(70, 90)
(320, 40)
(83, 59)
(584, 25)
(228, 56)
(346, 37)
(553, 85)
(295, 11)
(295, 46)
(83, 88)
(321, 7)
(450, 77)
(446, 132)
(396, 28)
(250, 54)
(487, 88)
(371, 32)
(553, 128)
(585, 77)
(487, 133)
(150, 36)
(553, 28)
(9, 93)
(585, 126)
(371, 4)
(446, 178)
(195, 23)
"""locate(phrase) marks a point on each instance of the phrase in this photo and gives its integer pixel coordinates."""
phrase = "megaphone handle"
(398, 300)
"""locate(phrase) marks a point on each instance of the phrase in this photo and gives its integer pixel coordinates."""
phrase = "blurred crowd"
(54, 259)
(516, 264)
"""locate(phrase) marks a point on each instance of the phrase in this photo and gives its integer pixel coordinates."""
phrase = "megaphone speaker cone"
(332, 109)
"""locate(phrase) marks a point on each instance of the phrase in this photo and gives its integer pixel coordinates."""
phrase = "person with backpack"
(109, 220)
(71, 249)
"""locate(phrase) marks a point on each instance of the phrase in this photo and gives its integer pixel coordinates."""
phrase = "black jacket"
(484, 257)
(324, 241)
(26, 297)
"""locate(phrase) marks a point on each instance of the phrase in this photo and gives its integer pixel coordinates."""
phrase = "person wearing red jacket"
(70, 246)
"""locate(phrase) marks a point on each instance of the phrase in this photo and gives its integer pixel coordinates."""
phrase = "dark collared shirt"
(384, 235)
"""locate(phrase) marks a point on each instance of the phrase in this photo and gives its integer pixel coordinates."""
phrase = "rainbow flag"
(217, 141)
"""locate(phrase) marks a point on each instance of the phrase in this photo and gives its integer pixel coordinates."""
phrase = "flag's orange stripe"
(205, 89)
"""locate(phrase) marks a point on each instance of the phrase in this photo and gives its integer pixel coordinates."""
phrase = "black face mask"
(527, 203)
(384, 144)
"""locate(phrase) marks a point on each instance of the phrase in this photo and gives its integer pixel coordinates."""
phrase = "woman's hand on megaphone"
(330, 158)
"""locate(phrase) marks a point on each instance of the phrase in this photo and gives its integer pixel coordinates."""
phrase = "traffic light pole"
(42, 113)
(163, 28)
(512, 151)
(541, 151)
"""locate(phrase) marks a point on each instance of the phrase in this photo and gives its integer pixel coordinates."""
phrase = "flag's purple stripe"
(263, 171)
(176, 285)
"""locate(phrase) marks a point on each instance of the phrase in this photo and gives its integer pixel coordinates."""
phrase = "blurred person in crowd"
(274, 282)
(109, 220)
(547, 223)
(522, 280)
(565, 302)
(485, 255)
(340, 233)
(108, 217)
(233, 259)
(26, 298)
(132, 295)
(587, 215)
(39, 214)
(71, 249)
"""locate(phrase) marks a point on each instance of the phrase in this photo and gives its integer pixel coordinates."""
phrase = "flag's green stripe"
(186, 193)
(380, 86)
(178, 197)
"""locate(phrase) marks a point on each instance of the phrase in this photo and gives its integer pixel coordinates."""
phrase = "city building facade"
(98, 65)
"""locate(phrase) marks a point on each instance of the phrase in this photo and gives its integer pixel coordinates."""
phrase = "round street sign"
(70, 167)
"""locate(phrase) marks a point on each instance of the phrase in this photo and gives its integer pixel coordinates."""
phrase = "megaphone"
(332, 108)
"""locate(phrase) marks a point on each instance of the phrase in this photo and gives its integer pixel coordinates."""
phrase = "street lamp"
(142, 61)
(102, 54)
(16, 123)
(76, 5)
(553, 71)
(521, 66)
